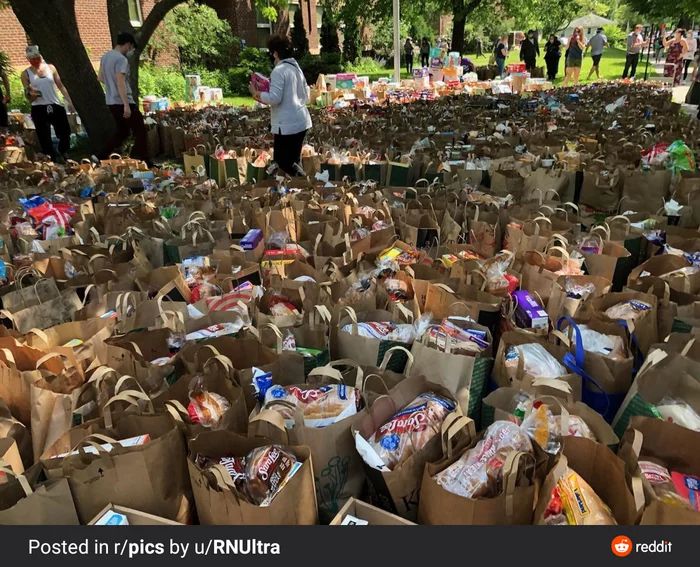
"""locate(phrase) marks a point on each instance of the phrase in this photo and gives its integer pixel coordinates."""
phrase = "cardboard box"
(134, 517)
(363, 511)
(9, 453)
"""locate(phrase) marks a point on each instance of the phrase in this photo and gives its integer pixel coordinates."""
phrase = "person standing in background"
(114, 73)
(574, 57)
(635, 44)
(501, 54)
(479, 47)
(596, 45)
(677, 48)
(40, 81)
(287, 97)
(658, 47)
(4, 101)
(408, 53)
(552, 55)
(689, 57)
(425, 53)
(530, 51)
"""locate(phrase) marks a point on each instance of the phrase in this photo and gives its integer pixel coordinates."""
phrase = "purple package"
(528, 313)
(251, 239)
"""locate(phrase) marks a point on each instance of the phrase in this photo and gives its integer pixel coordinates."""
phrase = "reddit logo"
(621, 546)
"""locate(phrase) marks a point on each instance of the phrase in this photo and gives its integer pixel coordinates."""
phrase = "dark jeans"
(425, 60)
(631, 65)
(46, 115)
(288, 151)
(686, 65)
(500, 63)
(133, 124)
(552, 68)
(530, 64)
(409, 63)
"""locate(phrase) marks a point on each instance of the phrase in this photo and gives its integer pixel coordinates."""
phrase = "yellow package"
(580, 504)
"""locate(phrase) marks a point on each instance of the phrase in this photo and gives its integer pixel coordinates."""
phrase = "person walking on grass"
(114, 74)
(40, 81)
(677, 47)
(425, 53)
(501, 54)
(635, 44)
(689, 57)
(552, 55)
(479, 47)
(530, 51)
(408, 52)
(574, 57)
(596, 45)
(288, 95)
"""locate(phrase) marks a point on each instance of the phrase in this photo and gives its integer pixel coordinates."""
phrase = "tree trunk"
(53, 27)
(458, 23)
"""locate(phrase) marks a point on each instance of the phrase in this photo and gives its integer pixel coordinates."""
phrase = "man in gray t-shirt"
(635, 44)
(114, 73)
(596, 45)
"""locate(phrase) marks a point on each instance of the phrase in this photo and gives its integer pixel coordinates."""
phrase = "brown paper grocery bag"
(11, 430)
(398, 490)
(151, 477)
(560, 304)
(649, 438)
(219, 502)
(513, 506)
(601, 469)
(30, 500)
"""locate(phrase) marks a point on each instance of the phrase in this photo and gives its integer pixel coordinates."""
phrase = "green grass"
(239, 101)
(611, 65)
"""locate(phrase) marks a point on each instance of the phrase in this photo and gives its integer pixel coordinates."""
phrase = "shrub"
(161, 81)
(351, 41)
(17, 99)
(616, 36)
(330, 43)
(299, 39)
(366, 66)
(315, 65)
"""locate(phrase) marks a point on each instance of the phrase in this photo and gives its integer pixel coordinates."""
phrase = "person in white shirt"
(689, 56)
(41, 81)
(287, 97)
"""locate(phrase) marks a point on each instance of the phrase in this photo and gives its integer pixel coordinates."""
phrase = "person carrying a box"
(287, 97)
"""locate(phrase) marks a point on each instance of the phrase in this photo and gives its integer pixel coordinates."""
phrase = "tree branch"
(160, 10)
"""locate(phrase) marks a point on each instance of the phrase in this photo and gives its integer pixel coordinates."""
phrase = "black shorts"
(596, 59)
(3, 114)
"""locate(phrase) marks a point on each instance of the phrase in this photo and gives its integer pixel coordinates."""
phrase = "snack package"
(372, 329)
(537, 362)
(575, 503)
(541, 427)
(608, 345)
(688, 488)
(267, 470)
(661, 481)
(478, 473)
(631, 310)
(679, 412)
(320, 406)
(206, 408)
(410, 429)
(496, 268)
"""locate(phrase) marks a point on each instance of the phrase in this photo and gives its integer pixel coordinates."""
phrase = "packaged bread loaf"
(321, 406)
(537, 362)
(267, 470)
(630, 310)
(410, 429)
(206, 408)
(478, 473)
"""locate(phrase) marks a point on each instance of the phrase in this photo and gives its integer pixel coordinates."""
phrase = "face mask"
(131, 52)
(530, 36)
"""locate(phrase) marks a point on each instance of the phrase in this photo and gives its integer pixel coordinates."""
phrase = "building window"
(319, 16)
(264, 27)
(135, 13)
(293, 7)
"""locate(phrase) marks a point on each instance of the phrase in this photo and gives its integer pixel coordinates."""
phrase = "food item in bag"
(206, 408)
(479, 472)
(372, 329)
(577, 427)
(537, 362)
(679, 412)
(320, 406)
(541, 426)
(575, 503)
(608, 345)
(410, 429)
(631, 310)
(661, 481)
(235, 467)
(688, 488)
(267, 470)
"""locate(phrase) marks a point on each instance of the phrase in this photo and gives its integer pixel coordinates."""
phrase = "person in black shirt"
(530, 51)
(552, 55)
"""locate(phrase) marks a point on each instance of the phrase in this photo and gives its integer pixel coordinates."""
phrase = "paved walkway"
(679, 92)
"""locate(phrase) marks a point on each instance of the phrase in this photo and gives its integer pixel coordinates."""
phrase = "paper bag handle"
(389, 353)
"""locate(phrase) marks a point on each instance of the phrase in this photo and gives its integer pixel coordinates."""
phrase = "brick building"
(245, 18)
